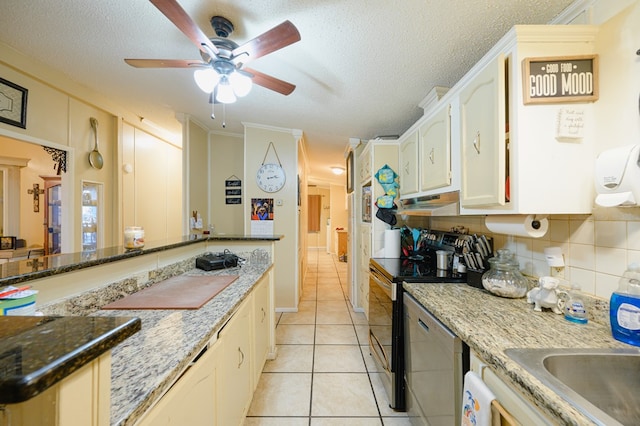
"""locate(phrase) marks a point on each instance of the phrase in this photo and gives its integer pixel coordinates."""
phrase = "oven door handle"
(375, 343)
(389, 286)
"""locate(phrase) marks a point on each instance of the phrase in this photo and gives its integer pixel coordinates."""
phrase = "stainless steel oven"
(383, 300)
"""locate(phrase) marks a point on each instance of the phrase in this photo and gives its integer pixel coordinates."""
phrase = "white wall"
(256, 142)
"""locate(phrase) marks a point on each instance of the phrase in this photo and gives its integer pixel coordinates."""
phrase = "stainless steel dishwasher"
(435, 363)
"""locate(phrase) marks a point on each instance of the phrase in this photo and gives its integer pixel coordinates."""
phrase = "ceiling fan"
(222, 71)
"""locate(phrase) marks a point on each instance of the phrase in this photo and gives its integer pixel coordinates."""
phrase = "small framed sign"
(560, 79)
(13, 104)
(233, 200)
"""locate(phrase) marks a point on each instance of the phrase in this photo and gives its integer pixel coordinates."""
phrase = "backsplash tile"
(597, 248)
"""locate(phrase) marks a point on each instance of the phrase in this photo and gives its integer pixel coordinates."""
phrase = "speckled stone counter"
(38, 352)
(145, 366)
(491, 324)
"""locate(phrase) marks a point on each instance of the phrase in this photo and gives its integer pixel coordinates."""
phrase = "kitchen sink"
(604, 384)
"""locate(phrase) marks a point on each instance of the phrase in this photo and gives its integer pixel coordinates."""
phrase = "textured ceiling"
(361, 67)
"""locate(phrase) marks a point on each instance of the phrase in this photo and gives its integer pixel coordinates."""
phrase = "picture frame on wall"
(13, 104)
(349, 173)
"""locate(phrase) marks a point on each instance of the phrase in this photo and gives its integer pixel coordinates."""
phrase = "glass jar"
(504, 278)
(133, 237)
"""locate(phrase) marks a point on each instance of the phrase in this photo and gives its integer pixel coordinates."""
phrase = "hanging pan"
(95, 158)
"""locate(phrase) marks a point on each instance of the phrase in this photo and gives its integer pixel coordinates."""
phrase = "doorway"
(23, 164)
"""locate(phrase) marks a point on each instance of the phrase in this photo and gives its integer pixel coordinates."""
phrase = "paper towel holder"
(617, 177)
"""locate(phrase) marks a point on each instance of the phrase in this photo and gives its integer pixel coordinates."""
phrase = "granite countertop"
(491, 324)
(21, 271)
(146, 365)
(38, 352)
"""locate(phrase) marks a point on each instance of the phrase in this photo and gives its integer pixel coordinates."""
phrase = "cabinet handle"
(476, 142)
(406, 168)
(264, 314)
(431, 155)
(241, 357)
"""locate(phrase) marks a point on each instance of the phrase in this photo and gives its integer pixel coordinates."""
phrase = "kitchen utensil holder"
(474, 277)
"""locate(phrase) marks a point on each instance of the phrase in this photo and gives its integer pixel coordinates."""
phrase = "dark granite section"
(38, 352)
(232, 237)
(17, 272)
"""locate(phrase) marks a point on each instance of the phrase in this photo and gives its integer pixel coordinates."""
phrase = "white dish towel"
(476, 401)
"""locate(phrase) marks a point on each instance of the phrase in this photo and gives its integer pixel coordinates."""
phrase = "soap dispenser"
(575, 309)
(624, 307)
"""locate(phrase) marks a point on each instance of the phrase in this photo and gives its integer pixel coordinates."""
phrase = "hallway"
(323, 374)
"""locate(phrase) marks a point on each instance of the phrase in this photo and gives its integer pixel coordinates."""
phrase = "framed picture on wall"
(349, 173)
(13, 104)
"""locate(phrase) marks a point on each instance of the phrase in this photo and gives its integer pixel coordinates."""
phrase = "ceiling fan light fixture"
(241, 83)
(225, 91)
(206, 79)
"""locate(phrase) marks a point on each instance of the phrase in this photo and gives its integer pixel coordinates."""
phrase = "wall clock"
(271, 176)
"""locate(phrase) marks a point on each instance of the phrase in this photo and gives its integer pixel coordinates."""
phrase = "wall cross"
(36, 191)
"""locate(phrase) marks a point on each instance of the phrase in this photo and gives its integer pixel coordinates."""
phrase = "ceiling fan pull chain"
(271, 145)
(224, 116)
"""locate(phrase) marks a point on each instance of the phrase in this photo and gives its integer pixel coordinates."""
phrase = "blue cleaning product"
(575, 309)
(624, 307)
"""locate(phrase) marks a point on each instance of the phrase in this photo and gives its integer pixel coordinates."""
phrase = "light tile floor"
(323, 374)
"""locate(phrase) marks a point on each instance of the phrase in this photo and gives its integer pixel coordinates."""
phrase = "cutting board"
(181, 292)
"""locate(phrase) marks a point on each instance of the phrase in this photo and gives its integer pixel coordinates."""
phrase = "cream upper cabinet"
(409, 164)
(516, 155)
(435, 150)
(482, 118)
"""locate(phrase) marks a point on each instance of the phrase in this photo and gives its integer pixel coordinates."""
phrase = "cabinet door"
(435, 151)
(364, 165)
(482, 118)
(261, 326)
(409, 165)
(235, 395)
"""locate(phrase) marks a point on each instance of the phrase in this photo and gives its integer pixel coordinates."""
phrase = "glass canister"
(133, 237)
(504, 278)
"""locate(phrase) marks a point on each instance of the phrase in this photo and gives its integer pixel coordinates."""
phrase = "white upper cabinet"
(482, 118)
(426, 151)
(435, 150)
(409, 164)
(516, 158)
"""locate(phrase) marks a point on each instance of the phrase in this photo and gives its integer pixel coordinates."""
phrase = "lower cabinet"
(82, 399)
(218, 386)
(263, 326)
(192, 399)
(513, 401)
(235, 367)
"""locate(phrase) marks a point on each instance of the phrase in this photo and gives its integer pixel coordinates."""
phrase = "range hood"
(446, 204)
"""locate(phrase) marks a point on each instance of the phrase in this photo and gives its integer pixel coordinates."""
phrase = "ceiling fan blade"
(166, 63)
(270, 82)
(270, 41)
(176, 14)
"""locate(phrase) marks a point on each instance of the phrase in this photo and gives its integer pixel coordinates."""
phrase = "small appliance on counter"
(212, 261)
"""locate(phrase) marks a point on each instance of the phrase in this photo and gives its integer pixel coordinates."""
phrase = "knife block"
(474, 277)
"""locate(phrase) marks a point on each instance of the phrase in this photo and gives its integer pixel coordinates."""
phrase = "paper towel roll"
(392, 243)
(534, 226)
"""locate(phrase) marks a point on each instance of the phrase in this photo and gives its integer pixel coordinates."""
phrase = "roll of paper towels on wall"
(533, 226)
(392, 243)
